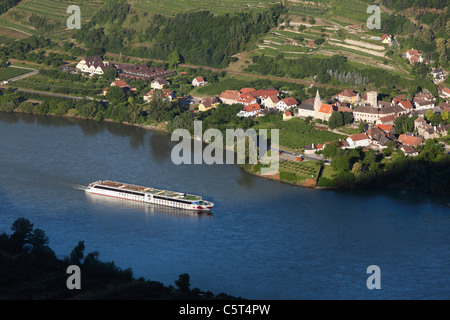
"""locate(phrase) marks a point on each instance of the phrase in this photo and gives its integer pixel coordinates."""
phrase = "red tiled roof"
(385, 127)
(359, 137)
(160, 81)
(268, 93)
(326, 108)
(274, 98)
(391, 117)
(290, 101)
(246, 98)
(407, 149)
(413, 52)
(406, 104)
(446, 90)
(252, 107)
(230, 94)
(288, 113)
(348, 93)
(247, 90)
(344, 109)
(410, 140)
(120, 83)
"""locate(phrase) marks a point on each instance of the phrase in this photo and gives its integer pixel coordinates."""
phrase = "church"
(322, 111)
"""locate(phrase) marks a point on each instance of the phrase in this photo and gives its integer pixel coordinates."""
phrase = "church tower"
(317, 104)
(372, 98)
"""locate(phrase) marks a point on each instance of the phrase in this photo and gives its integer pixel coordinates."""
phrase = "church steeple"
(317, 104)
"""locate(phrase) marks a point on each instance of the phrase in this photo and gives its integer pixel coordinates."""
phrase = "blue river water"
(264, 239)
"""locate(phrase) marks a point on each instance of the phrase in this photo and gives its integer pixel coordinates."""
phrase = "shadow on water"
(9, 118)
(411, 197)
(246, 180)
(160, 146)
(88, 127)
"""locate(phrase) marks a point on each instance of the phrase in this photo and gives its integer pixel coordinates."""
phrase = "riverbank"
(401, 173)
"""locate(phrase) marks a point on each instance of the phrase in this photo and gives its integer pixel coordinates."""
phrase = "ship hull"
(131, 195)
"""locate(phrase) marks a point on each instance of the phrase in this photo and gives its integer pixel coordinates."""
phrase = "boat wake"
(75, 186)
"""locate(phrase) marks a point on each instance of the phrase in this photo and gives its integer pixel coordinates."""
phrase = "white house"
(247, 99)
(168, 95)
(198, 82)
(159, 84)
(287, 103)
(445, 93)
(423, 104)
(438, 75)
(358, 140)
(249, 110)
(414, 56)
(93, 65)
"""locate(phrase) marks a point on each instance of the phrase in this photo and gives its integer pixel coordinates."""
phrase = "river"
(264, 239)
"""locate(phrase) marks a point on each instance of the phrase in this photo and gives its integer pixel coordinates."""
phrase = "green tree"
(3, 62)
(39, 241)
(22, 231)
(428, 115)
(370, 157)
(330, 150)
(362, 127)
(110, 74)
(444, 115)
(357, 169)
(27, 107)
(116, 95)
(436, 119)
(341, 163)
(77, 254)
(183, 283)
(335, 120)
(174, 60)
(42, 108)
(158, 106)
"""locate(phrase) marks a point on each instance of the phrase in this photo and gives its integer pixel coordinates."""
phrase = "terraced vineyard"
(44, 17)
(172, 7)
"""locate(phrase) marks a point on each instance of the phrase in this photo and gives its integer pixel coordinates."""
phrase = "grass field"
(11, 72)
(304, 170)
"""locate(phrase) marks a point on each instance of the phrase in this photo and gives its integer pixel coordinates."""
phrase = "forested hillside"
(197, 37)
(5, 5)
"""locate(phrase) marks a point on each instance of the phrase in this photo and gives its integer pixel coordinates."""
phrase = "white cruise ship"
(150, 195)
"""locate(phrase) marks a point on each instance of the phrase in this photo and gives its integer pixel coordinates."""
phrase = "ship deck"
(154, 191)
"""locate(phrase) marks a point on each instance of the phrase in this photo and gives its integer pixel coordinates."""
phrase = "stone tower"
(317, 104)
(372, 98)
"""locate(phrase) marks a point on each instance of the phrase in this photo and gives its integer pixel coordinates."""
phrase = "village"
(376, 116)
